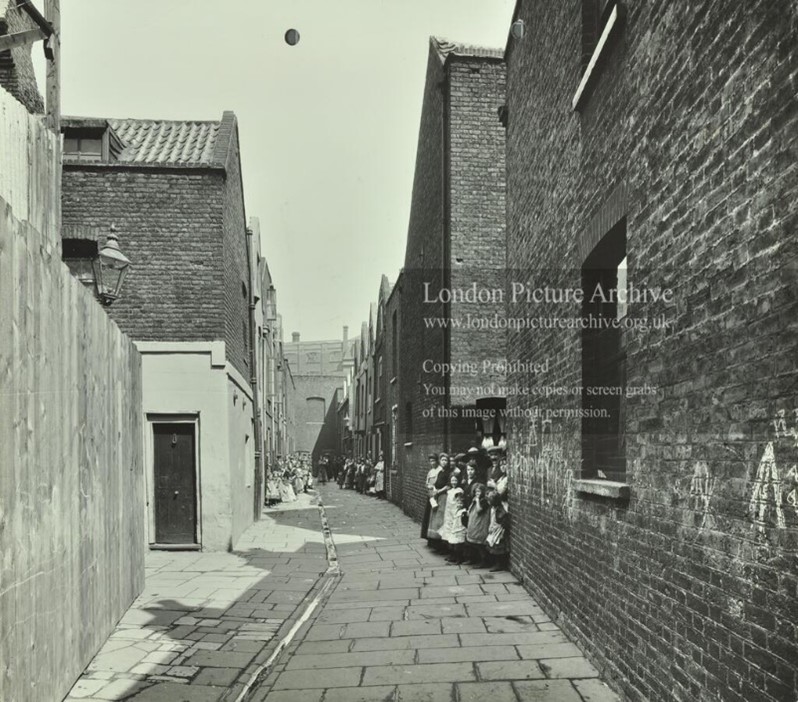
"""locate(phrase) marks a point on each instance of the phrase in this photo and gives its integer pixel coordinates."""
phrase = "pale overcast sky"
(328, 127)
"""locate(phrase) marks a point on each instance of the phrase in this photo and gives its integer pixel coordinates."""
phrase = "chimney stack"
(346, 334)
(295, 337)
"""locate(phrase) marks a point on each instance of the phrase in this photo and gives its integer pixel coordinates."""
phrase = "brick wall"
(455, 240)
(392, 381)
(687, 591)
(236, 271)
(310, 416)
(423, 263)
(477, 227)
(16, 65)
(170, 227)
(316, 357)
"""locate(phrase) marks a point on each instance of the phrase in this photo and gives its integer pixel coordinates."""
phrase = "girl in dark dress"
(478, 524)
(438, 509)
(432, 476)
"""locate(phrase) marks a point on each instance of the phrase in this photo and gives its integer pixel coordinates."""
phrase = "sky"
(328, 128)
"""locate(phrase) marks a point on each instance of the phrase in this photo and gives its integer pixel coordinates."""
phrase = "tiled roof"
(159, 141)
(446, 48)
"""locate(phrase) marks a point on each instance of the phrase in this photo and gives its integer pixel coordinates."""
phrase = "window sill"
(408, 444)
(604, 488)
(614, 22)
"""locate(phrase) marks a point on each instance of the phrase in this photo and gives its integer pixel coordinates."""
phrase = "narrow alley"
(370, 614)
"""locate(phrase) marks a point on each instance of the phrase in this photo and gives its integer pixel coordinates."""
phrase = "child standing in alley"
(453, 529)
(478, 524)
(496, 540)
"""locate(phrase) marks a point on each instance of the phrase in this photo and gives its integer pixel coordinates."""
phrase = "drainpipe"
(446, 280)
(260, 478)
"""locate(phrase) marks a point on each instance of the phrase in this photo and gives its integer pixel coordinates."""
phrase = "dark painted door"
(175, 484)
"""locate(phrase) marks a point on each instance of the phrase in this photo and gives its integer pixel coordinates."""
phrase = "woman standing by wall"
(438, 504)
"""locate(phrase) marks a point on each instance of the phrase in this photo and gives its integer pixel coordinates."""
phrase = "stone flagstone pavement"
(203, 617)
(276, 621)
(403, 625)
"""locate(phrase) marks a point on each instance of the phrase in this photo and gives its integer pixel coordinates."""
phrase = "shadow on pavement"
(203, 617)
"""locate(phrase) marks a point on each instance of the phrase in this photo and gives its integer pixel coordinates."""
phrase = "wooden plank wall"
(72, 532)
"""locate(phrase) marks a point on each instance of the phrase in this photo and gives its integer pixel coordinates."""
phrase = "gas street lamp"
(110, 268)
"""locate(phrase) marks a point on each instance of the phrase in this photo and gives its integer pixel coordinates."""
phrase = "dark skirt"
(478, 524)
(425, 520)
(435, 529)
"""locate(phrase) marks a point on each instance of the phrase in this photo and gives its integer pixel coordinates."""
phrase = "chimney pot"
(346, 333)
(295, 337)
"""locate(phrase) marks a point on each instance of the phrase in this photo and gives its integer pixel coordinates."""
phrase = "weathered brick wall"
(310, 416)
(16, 65)
(477, 231)
(391, 357)
(424, 259)
(173, 291)
(687, 591)
(236, 272)
(455, 240)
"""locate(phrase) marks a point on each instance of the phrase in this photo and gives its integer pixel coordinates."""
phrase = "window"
(604, 358)
(394, 355)
(82, 145)
(378, 379)
(245, 323)
(601, 20)
(595, 14)
(408, 421)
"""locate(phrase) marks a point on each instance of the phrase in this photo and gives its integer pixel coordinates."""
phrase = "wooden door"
(175, 484)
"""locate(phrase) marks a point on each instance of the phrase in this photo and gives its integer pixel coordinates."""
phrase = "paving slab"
(486, 692)
(431, 692)
(468, 653)
(463, 626)
(405, 642)
(382, 693)
(304, 695)
(593, 690)
(379, 614)
(528, 638)
(348, 660)
(510, 670)
(335, 677)
(540, 651)
(419, 627)
(502, 625)
(576, 667)
(433, 672)
(548, 691)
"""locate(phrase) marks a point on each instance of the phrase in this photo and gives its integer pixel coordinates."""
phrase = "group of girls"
(288, 478)
(363, 475)
(466, 514)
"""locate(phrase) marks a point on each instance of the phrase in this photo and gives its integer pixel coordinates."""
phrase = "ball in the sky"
(292, 37)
